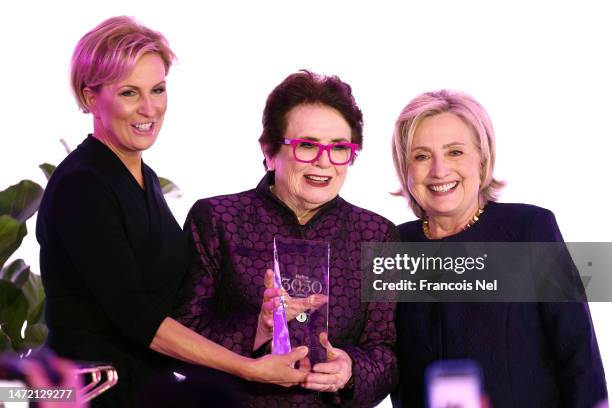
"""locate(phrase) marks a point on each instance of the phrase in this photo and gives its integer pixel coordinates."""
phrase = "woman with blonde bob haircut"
(112, 255)
(532, 354)
(466, 108)
(109, 51)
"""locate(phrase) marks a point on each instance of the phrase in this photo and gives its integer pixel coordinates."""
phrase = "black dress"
(112, 257)
(532, 354)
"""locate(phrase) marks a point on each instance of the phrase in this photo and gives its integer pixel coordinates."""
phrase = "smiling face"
(129, 113)
(307, 186)
(444, 169)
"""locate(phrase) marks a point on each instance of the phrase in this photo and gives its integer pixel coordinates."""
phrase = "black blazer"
(112, 257)
(532, 354)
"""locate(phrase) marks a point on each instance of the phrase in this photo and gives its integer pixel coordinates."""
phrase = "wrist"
(251, 370)
(347, 392)
(265, 348)
(263, 333)
(244, 368)
(261, 338)
(350, 384)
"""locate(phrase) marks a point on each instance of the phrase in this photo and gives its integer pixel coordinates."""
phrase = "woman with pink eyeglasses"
(312, 130)
(111, 254)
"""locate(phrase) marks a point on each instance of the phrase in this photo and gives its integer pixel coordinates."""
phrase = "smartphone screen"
(454, 384)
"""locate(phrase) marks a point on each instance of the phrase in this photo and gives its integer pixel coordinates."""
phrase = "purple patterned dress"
(231, 240)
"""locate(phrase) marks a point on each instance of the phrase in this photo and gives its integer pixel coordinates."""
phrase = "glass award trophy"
(301, 270)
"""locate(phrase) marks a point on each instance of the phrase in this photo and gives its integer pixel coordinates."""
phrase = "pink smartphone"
(454, 384)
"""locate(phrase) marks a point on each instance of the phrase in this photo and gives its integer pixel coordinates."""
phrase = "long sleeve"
(111, 260)
(375, 372)
(231, 241)
(204, 304)
(577, 363)
(88, 223)
(375, 366)
(571, 337)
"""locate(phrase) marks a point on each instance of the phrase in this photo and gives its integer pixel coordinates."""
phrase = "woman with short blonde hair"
(532, 354)
(112, 255)
(471, 112)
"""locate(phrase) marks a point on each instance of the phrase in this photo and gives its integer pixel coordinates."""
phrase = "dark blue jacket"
(532, 354)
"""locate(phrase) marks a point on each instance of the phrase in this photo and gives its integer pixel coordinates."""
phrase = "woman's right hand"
(265, 322)
(278, 369)
(271, 300)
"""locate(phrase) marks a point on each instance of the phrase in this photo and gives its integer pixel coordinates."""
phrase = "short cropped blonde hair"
(109, 52)
(471, 112)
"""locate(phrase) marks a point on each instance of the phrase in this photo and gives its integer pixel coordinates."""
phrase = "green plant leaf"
(35, 335)
(48, 169)
(11, 235)
(66, 146)
(21, 201)
(36, 313)
(34, 293)
(19, 273)
(31, 286)
(16, 272)
(5, 343)
(169, 188)
(13, 312)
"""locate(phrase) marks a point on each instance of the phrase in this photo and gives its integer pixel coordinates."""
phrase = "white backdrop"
(542, 70)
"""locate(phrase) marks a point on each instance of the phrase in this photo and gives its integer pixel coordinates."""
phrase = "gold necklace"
(472, 221)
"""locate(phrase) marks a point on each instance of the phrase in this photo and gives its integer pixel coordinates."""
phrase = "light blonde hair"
(109, 52)
(471, 112)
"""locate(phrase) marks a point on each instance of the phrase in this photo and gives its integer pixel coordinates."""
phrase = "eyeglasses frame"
(294, 143)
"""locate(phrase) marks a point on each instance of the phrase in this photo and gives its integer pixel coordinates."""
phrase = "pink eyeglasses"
(309, 151)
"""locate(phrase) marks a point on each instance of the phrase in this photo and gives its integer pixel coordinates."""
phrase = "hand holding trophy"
(296, 304)
(295, 307)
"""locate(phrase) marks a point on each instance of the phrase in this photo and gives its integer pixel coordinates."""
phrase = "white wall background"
(542, 70)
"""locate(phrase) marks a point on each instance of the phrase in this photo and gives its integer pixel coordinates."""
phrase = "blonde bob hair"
(109, 52)
(471, 112)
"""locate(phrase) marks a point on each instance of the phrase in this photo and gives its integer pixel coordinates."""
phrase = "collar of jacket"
(263, 189)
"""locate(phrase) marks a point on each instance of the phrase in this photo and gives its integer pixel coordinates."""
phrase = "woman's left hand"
(271, 300)
(265, 322)
(332, 375)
